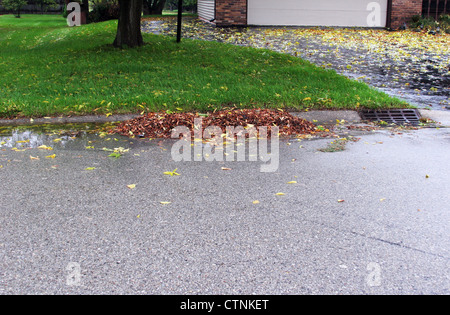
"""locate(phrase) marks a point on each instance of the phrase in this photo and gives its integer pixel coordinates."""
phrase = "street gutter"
(318, 117)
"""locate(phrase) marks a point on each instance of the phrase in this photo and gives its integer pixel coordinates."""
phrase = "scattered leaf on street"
(133, 186)
(44, 147)
(173, 173)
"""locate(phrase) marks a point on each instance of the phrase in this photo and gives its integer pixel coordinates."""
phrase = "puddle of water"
(31, 137)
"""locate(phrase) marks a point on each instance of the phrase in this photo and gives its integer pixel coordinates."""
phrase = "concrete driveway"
(373, 219)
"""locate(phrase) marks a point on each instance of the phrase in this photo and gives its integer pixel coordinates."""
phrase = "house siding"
(207, 10)
(235, 12)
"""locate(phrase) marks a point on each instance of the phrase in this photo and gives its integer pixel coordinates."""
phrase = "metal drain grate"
(393, 116)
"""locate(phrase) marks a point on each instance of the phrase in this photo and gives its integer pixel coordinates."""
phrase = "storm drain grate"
(393, 116)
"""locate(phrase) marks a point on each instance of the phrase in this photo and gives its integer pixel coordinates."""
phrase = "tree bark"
(154, 7)
(129, 28)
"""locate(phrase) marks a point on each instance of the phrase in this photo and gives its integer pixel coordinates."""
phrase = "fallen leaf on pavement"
(173, 173)
(44, 147)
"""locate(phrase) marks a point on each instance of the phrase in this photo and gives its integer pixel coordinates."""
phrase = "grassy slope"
(48, 69)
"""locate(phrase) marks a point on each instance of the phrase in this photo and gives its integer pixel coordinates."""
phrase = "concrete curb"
(330, 117)
(440, 116)
(319, 117)
(66, 120)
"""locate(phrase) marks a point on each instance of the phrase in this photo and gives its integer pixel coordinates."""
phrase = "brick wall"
(403, 11)
(234, 12)
(231, 12)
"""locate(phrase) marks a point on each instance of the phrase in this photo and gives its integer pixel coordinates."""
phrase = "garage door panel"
(312, 13)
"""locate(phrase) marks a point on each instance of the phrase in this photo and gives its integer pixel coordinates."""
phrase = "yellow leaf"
(280, 194)
(341, 200)
(226, 169)
(23, 141)
(133, 186)
(173, 173)
(57, 140)
(90, 168)
(292, 182)
(34, 158)
(165, 202)
(51, 156)
(256, 202)
(44, 147)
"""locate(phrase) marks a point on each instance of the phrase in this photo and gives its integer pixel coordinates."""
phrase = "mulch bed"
(160, 125)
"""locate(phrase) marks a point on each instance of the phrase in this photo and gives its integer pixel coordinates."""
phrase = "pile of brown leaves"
(160, 125)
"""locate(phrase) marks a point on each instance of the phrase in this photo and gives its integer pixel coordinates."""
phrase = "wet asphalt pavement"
(373, 219)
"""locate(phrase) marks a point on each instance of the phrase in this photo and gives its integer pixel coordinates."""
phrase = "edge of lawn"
(213, 45)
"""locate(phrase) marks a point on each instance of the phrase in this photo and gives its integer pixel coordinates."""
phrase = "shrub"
(104, 11)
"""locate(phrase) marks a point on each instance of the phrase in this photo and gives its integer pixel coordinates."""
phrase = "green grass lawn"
(47, 69)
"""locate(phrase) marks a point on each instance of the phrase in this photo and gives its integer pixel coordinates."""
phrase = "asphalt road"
(68, 230)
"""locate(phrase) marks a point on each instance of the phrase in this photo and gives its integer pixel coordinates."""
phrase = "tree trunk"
(129, 28)
(154, 7)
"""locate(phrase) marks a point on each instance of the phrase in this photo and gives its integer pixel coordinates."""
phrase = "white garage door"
(358, 13)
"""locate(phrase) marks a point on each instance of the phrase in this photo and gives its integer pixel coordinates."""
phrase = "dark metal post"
(180, 18)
